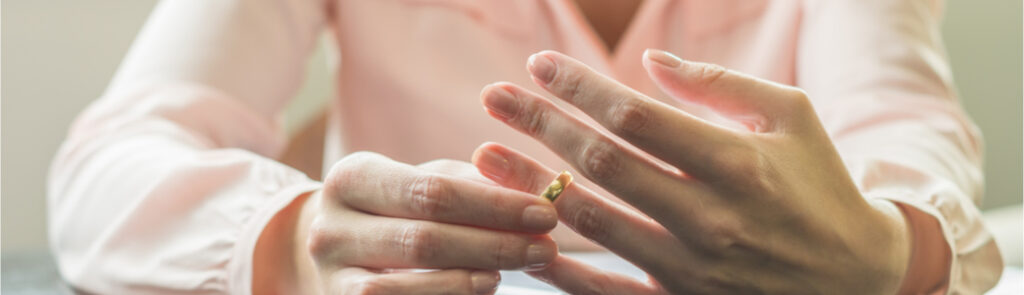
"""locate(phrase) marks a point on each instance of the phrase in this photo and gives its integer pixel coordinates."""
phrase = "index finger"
(663, 131)
(375, 184)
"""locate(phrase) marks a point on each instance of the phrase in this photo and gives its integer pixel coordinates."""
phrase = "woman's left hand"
(767, 209)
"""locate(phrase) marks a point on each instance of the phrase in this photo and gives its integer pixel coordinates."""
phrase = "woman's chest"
(414, 68)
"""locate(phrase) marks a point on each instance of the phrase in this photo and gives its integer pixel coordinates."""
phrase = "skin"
(376, 219)
(609, 18)
(702, 202)
(286, 262)
(768, 208)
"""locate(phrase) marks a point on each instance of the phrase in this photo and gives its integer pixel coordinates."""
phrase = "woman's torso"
(409, 74)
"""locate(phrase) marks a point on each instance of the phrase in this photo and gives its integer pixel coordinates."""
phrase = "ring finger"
(657, 192)
(628, 234)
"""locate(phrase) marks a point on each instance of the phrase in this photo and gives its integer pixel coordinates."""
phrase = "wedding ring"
(557, 186)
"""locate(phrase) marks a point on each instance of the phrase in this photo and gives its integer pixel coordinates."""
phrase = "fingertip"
(490, 89)
(478, 151)
(496, 147)
(547, 53)
(540, 217)
(481, 152)
(484, 281)
(488, 145)
(662, 58)
(499, 101)
(541, 67)
(490, 162)
(548, 274)
(540, 254)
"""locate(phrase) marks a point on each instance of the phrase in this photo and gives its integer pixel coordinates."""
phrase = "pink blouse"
(164, 184)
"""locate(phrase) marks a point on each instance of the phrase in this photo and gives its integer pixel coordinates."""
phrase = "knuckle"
(429, 195)
(573, 84)
(357, 159)
(761, 175)
(418, 243)
(534, 183)
(708, 74)
(799, 102)
(534, 118)
(712, 282)
(752, 171)
(339, 184)
(600, 161)
(739, 162)
(587, 220)
(348, 170)
(321, 240)
(505, 256)
(630, 116)
(744, 166)
(720, 235)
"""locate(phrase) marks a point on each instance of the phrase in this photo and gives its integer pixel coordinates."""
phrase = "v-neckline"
(609, 55)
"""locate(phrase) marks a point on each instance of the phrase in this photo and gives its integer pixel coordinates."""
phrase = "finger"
(630, 235)
(454, 168)
(760, 104)
(663, 131)
(375, 184)
(575, 277)
(451, 281)
(372, 241)
(659, 193)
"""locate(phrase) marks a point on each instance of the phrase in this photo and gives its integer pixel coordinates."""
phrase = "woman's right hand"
(376, 219)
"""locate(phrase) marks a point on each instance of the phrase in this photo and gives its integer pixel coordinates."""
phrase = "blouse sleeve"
(165, 183)
(878, 75)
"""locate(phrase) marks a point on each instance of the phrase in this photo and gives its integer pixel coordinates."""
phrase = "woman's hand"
(769, 208)
(375, 219)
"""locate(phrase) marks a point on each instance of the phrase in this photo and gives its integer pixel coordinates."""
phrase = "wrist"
(307, 275)
(930, 257)
(926, 262)
(892, 242)
(275, 269)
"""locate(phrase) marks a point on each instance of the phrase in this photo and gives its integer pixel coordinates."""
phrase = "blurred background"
(59, 55)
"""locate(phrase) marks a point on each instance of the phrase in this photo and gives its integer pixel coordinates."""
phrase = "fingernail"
(542, 68)
(492, 164)
(485, 282)
(540, 254)
(540, 217)
(500, 102)
(664, 58)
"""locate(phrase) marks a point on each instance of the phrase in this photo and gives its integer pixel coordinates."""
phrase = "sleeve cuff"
(904, 200)
(241, 265)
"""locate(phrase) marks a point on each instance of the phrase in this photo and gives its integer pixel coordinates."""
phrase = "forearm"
(152, 183)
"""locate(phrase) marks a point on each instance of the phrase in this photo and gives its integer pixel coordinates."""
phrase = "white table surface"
(1011, 283)
(33, 272)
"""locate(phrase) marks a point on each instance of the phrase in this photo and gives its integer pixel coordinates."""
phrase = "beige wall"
(984, 42)
(58, 56)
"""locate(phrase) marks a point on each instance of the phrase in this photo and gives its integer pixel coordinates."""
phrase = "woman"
(826, 153)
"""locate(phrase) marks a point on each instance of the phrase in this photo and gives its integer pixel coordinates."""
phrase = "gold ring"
(557, 186)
